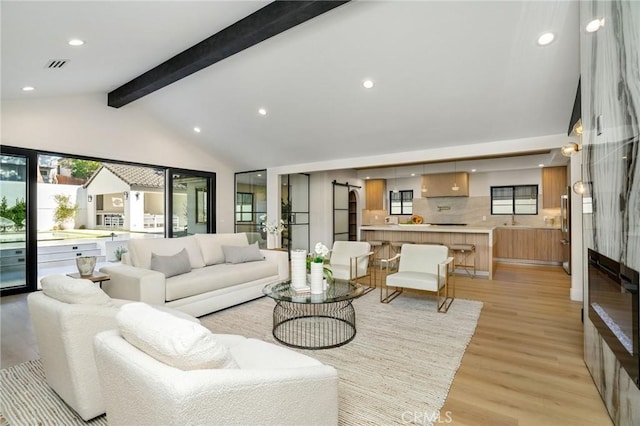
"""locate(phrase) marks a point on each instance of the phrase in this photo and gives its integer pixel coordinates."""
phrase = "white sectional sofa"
(212, 282)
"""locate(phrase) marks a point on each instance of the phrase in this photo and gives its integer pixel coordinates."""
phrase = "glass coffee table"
(314, 321)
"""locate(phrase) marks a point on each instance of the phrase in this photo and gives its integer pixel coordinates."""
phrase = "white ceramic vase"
(272, 241)
(298, 269)
(86, 265)
(317, 286)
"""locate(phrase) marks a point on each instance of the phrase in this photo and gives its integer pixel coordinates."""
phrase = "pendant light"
(455, 186)
(424, 187)
(395, 180)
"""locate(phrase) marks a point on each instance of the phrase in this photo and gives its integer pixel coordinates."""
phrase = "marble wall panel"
(610, 73)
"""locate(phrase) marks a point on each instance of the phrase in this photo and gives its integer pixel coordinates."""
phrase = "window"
(517, 199)
(401, 202)
(244, 207)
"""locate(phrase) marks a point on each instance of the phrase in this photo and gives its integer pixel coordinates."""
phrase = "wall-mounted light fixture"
(580, 187)
(568, 149)
(89, 198)
(126, 195)
(137, 194)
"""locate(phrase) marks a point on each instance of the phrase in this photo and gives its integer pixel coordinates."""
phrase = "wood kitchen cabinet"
(439, 184)
(529, 244)
(374, 191)
(554, 184)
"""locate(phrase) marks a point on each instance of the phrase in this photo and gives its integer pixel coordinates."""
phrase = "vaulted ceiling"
(445, 73)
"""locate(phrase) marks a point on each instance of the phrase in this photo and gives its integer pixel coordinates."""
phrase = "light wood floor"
(524, 365)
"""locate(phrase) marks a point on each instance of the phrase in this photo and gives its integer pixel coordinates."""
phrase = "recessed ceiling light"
(473, 170)
(28, 88)
(594, 25)
(76, 42)
(367, 177)
(368, 84)
(197, 129)
(262, 111)
(545, 39)
(259, 174)
(540, 165)
(413, 174)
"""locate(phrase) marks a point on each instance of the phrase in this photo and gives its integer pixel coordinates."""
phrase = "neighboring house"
(129, 197)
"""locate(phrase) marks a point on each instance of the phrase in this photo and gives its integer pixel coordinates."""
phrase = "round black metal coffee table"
(314, 321)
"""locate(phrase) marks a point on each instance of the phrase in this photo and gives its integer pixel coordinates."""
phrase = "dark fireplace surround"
(613, 309)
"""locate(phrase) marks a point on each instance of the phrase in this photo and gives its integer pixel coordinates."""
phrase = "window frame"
(241, 212)
(402, 202)
(513, 199)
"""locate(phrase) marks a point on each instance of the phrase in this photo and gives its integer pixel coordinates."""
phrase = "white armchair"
(272, 386)
(421, 267)
(66, 316)
(350, 260)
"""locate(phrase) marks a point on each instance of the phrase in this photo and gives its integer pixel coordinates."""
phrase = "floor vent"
(56, 63)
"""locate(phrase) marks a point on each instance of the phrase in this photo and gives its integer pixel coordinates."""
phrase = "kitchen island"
(482, 237)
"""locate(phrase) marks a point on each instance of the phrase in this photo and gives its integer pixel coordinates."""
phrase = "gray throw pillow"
(242, 254)
(171, 266)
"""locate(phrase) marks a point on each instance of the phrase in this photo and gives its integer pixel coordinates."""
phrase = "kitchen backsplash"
(471, 210)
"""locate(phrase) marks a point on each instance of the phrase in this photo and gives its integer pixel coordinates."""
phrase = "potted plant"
(65, 212)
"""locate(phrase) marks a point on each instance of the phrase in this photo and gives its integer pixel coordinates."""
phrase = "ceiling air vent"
(56, 63)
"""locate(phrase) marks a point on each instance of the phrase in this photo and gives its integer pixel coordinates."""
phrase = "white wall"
(85, 125)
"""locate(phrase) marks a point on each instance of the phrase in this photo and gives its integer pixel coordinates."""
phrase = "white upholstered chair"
(422, 267)
(350, 260)
(66, 316)
(271, 386)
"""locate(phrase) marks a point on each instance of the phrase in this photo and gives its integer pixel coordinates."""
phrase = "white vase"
(67, 224)
(272, 241)
(86, 265)
(317, 277)
(298, 269)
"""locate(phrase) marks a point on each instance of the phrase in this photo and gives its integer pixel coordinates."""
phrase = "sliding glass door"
(190, 204)
(16, 264)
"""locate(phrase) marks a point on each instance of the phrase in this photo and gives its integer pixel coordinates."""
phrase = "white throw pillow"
(74, 291)
(242, 254)
(174, 341)
(211, 245)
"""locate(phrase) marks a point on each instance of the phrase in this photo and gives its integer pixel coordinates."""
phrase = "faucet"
(513, 219)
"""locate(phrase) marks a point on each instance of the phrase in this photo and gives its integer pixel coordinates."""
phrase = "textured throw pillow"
(171, 340)
(171, 265)
(239, 254)
(211, 245)
(75, 291)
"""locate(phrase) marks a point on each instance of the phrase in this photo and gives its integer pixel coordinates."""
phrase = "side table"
(96, 277)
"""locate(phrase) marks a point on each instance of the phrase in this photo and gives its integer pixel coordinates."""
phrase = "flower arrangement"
(271, 227)
(319, 255)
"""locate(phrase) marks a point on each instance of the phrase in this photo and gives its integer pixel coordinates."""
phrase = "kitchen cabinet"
(439, 184)
(374, 191)
(554, 184)
(529, 244)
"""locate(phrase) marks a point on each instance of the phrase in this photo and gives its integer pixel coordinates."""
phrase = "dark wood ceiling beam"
(267, 22)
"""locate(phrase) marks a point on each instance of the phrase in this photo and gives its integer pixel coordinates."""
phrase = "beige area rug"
(26, 399)
(397, 370)
(399, 367)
